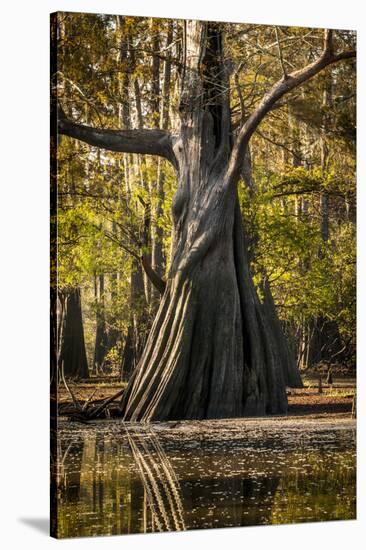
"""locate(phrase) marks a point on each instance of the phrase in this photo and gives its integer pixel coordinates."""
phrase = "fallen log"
(90, 410)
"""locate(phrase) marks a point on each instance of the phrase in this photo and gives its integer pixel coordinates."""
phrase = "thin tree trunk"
(137, 330)
(158, 256)
(138, 306)
(101, 336)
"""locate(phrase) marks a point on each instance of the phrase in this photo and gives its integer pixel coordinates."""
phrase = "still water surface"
(114, 479)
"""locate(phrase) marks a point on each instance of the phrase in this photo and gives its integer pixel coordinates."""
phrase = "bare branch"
(156, 280)
(282, 145)
(280, 54)
(82, 94)
(281, 88)
(240, 95)
(146, 142)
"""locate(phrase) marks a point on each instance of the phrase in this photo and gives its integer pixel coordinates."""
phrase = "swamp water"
(111, 478)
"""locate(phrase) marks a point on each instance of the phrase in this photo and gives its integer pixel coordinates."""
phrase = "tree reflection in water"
(109, 480)
(161, 486)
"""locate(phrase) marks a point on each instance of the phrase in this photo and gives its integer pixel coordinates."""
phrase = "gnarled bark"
(211, 352)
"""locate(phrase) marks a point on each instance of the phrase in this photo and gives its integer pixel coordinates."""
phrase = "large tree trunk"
(211, 353)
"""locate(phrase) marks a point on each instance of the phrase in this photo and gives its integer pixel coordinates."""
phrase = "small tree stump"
(320, 385)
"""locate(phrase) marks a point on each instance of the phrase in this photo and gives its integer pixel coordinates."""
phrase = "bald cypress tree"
(212, 352)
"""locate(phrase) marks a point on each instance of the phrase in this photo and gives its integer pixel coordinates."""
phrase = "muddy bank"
(237, 428)
(335, 401)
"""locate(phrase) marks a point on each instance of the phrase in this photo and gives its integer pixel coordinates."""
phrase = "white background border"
(24, 211)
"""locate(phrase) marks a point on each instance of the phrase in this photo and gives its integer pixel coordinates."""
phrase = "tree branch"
(282, 87)
(284, 72)
(146, 142)
(156, 280)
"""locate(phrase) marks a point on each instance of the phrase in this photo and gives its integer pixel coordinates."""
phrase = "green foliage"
(309, 277)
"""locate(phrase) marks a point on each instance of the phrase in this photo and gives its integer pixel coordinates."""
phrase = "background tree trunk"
(137, 330)
(73, 349)
(162, 121)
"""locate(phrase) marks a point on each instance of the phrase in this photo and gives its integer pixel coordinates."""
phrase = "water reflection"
(161, 486)
(113, 479)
